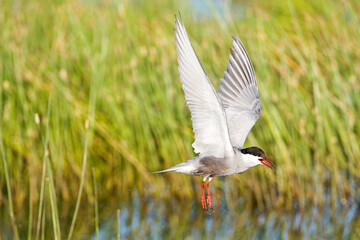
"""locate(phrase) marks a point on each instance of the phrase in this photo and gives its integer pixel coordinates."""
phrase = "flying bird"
(221, 121)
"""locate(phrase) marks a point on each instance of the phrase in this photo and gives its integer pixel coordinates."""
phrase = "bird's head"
(254, 156)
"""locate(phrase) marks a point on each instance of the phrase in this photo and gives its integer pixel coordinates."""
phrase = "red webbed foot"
(203, 202)
(208, 199)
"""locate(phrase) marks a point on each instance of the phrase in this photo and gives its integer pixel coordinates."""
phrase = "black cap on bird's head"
(258, 153)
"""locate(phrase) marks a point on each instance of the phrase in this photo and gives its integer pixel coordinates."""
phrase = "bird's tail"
(172, 169)
(185, 167)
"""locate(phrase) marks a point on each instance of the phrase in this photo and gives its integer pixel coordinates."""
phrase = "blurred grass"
(305, 55)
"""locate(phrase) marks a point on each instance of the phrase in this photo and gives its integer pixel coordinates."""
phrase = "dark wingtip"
(178, 19)
(232, 51)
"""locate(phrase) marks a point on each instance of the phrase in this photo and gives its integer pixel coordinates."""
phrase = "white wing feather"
(239, 94)
(208, 116)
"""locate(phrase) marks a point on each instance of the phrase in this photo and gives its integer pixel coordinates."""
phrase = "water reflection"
(156, 219)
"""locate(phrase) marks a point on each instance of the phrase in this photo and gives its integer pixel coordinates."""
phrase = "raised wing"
(208, 116)
(239, 94)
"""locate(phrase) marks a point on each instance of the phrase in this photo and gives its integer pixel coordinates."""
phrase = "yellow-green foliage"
(117, 60)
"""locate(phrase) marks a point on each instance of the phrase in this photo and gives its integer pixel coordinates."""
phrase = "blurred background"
(91, 103)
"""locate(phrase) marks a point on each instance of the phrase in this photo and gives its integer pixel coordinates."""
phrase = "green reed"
(114, 64)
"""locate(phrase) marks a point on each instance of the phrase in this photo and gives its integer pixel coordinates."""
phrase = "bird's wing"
(208, 116)
(239, 94)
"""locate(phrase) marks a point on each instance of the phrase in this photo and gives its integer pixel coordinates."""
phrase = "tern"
(221, 121)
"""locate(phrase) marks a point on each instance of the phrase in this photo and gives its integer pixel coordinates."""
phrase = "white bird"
(221, 122)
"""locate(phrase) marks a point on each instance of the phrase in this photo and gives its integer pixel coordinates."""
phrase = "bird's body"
(221, 121)
(210, 166)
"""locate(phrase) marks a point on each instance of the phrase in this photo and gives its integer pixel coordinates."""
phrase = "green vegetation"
(94, 85)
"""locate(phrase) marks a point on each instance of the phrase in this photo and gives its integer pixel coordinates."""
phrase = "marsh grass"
(8, 188)
(96, 217)
(47, 180)
(113, 64)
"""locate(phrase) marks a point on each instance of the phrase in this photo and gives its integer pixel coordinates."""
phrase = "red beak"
(266, 162)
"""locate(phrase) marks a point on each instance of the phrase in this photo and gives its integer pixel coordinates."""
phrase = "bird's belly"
(212, 167)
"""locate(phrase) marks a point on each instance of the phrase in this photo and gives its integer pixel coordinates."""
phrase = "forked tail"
(187, 167)
(176, 168)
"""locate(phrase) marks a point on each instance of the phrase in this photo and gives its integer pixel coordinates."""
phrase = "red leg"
(203, 202)
(208, 199)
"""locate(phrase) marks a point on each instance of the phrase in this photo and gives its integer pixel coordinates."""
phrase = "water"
(156, 219)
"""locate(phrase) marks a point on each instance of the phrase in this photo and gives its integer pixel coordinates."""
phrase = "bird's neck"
(244, 161)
